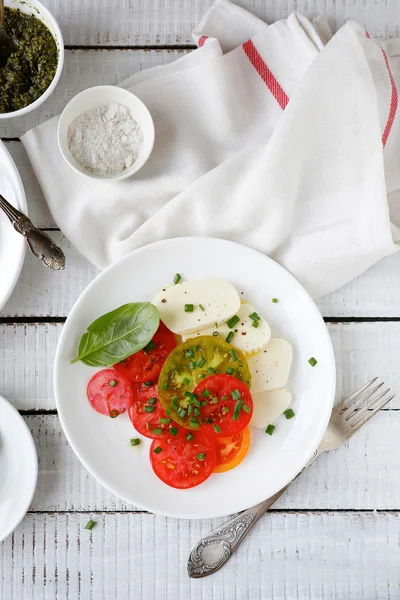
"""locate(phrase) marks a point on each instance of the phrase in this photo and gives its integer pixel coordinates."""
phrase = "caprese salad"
(194, 370)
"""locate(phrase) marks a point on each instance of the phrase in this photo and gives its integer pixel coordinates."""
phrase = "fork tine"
(353, 408)
(358, 414)
(371, 413)
(345, 404)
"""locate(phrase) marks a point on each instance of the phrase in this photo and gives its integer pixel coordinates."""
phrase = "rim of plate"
(23, 207)
(311, 445)
(30, 441)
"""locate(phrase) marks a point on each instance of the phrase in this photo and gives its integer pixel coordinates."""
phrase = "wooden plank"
(363, 350)
(168, 22)
(83, 69)
(365, 474)
(43, 293)
(309, 556)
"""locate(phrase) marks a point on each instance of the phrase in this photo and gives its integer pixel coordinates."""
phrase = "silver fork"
(214, 550)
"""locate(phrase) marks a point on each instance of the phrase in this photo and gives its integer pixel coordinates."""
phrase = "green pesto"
(30, 70)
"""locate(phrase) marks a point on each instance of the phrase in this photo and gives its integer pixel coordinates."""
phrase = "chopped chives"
(148, 383)
(164, 385)
(177, 278)
(312, 361)
(210, 371)
(289, 414)
(255, 324)
(236, 410)
(173, 430)
(90, 524)
(274, 300)
(189, 436)
(202, 307)
(157, 431)
(214, 400)
(189, 353)
(236, 394)
(165, 420)
(230, 371)
(113, 413)
(186, 381)
(134, 442)
(195, 402)
(270, 429)
(215, 333)
(196, 411)
(233, 354)
(190, 409)
(174, 399)
(240, 363)
(225, 397)
(202, 375)
(206, 393)
(232, 321)
(254, 316)
(182, 413)
(246, 408)
(168, 411)
(151, 400)
(157, 450)
(229, 337)
(149, 409)
(189, 307)
(112, 382)
(192, 364)
(217, 429)
(201, 362)
(151, 345)
(225, 409)
(203, 403)
(201, 456)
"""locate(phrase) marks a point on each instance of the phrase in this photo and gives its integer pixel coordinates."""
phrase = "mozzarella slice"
(270, 368)
(246, 338)
(267, 406)
(219, 299)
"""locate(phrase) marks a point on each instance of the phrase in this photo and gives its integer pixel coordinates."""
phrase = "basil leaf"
(118, 334)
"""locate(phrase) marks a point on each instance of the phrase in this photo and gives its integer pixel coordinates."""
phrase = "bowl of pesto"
(31, 72)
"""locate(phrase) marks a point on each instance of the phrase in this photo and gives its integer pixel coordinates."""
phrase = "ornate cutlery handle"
(40, 244)
(213, 551)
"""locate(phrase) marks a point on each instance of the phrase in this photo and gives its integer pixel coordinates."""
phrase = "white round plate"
(101, 443)
(18, 468)
(12, 244)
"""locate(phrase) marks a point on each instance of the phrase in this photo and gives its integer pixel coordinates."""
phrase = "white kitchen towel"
(307, 181)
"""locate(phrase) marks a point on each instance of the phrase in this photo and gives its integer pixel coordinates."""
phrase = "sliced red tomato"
(146, 364)
(231, 451)
(225, 408)
(110, 393)
(148, 416)
(183, 462)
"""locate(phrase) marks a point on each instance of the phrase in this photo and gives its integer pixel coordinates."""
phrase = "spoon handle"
(40, 244)
(1, 12)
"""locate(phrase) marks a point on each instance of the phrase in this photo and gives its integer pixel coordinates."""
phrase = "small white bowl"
(35, 8)
(103, 95)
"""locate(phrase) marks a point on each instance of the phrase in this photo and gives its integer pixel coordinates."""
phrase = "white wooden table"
(336, 533)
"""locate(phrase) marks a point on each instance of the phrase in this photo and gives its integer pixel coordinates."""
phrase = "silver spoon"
(40, 244)
(7, 45)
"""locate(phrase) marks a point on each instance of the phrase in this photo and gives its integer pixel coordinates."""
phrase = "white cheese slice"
(218, 298)
(246, 338)
(270, 367)
(267, 406)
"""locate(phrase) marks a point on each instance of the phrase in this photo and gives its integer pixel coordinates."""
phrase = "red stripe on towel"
(266, 75)
(394, 100)
(202, 40)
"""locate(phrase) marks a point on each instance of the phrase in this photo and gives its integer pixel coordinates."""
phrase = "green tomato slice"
(192, 362)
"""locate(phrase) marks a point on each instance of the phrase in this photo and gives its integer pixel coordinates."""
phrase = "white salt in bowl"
(103, 95)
